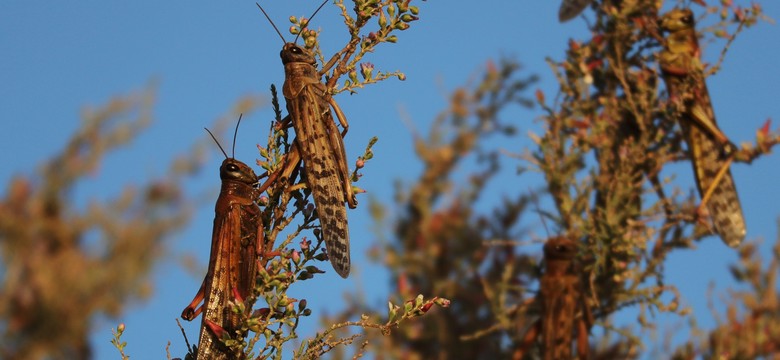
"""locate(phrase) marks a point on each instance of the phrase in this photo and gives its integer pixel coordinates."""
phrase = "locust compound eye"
(296, 50)
(233, 168)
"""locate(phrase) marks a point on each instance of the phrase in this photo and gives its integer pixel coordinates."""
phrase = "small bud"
(401, 26)
(427, 306)
(307, 211)
(263, 201)
(402, 76)
(360, 163)
(302, 304)
(764, 130)
(366, 69)
(442, 302)
(237, 297)
(403, 6)
(294, 30)
(217, 330)
(540, 96)
(309, 42)
(120, 329)
(314, 270)
(408, 18)
(392, 311)
(261, 313)
(353, 76)
(305, 244)
(392, 39)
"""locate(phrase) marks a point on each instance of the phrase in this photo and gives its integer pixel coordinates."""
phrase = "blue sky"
(58, 57)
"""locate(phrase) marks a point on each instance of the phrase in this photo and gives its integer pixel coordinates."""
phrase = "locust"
(319, 144)
(571, 8)
(562, 304)
(236, 241)
(710, 150)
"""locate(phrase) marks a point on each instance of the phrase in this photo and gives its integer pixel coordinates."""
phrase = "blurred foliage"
(63, 264)
(751, 327)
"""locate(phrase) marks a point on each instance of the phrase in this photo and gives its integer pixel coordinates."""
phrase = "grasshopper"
(563, 308)
(319, 144)
(571, 8)
(710, 150)
(236, 241)
(562, 295)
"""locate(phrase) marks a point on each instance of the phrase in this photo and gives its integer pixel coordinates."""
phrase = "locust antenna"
(215, 140)
(309, 20)
(235, 133)
(272, 24)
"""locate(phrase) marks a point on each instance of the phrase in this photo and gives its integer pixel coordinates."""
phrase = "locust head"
(235, 170)
(677, 20)
(232, 169)
(559, 254)
(292, 53)
(560, 248)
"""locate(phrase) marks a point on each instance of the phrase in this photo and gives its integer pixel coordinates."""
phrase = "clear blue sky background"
(57, 57)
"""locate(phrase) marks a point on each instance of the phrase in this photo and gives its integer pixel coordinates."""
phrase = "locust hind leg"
(193, 310)
(338, 145)
(707, 124)
(291, 161)
(715, 182)
(717, 188)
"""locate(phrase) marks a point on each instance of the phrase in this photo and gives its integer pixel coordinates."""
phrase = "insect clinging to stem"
(710, 150)
(236, 242)
(319, 144)
(571, 8)
(563, 309)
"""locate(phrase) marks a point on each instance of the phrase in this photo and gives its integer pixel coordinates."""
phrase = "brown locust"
(236, 241)
(710, 150)
(319, 144)
(562, 304)
(571, 8)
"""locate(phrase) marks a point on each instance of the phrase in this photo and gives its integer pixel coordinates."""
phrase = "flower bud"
(408, 18)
